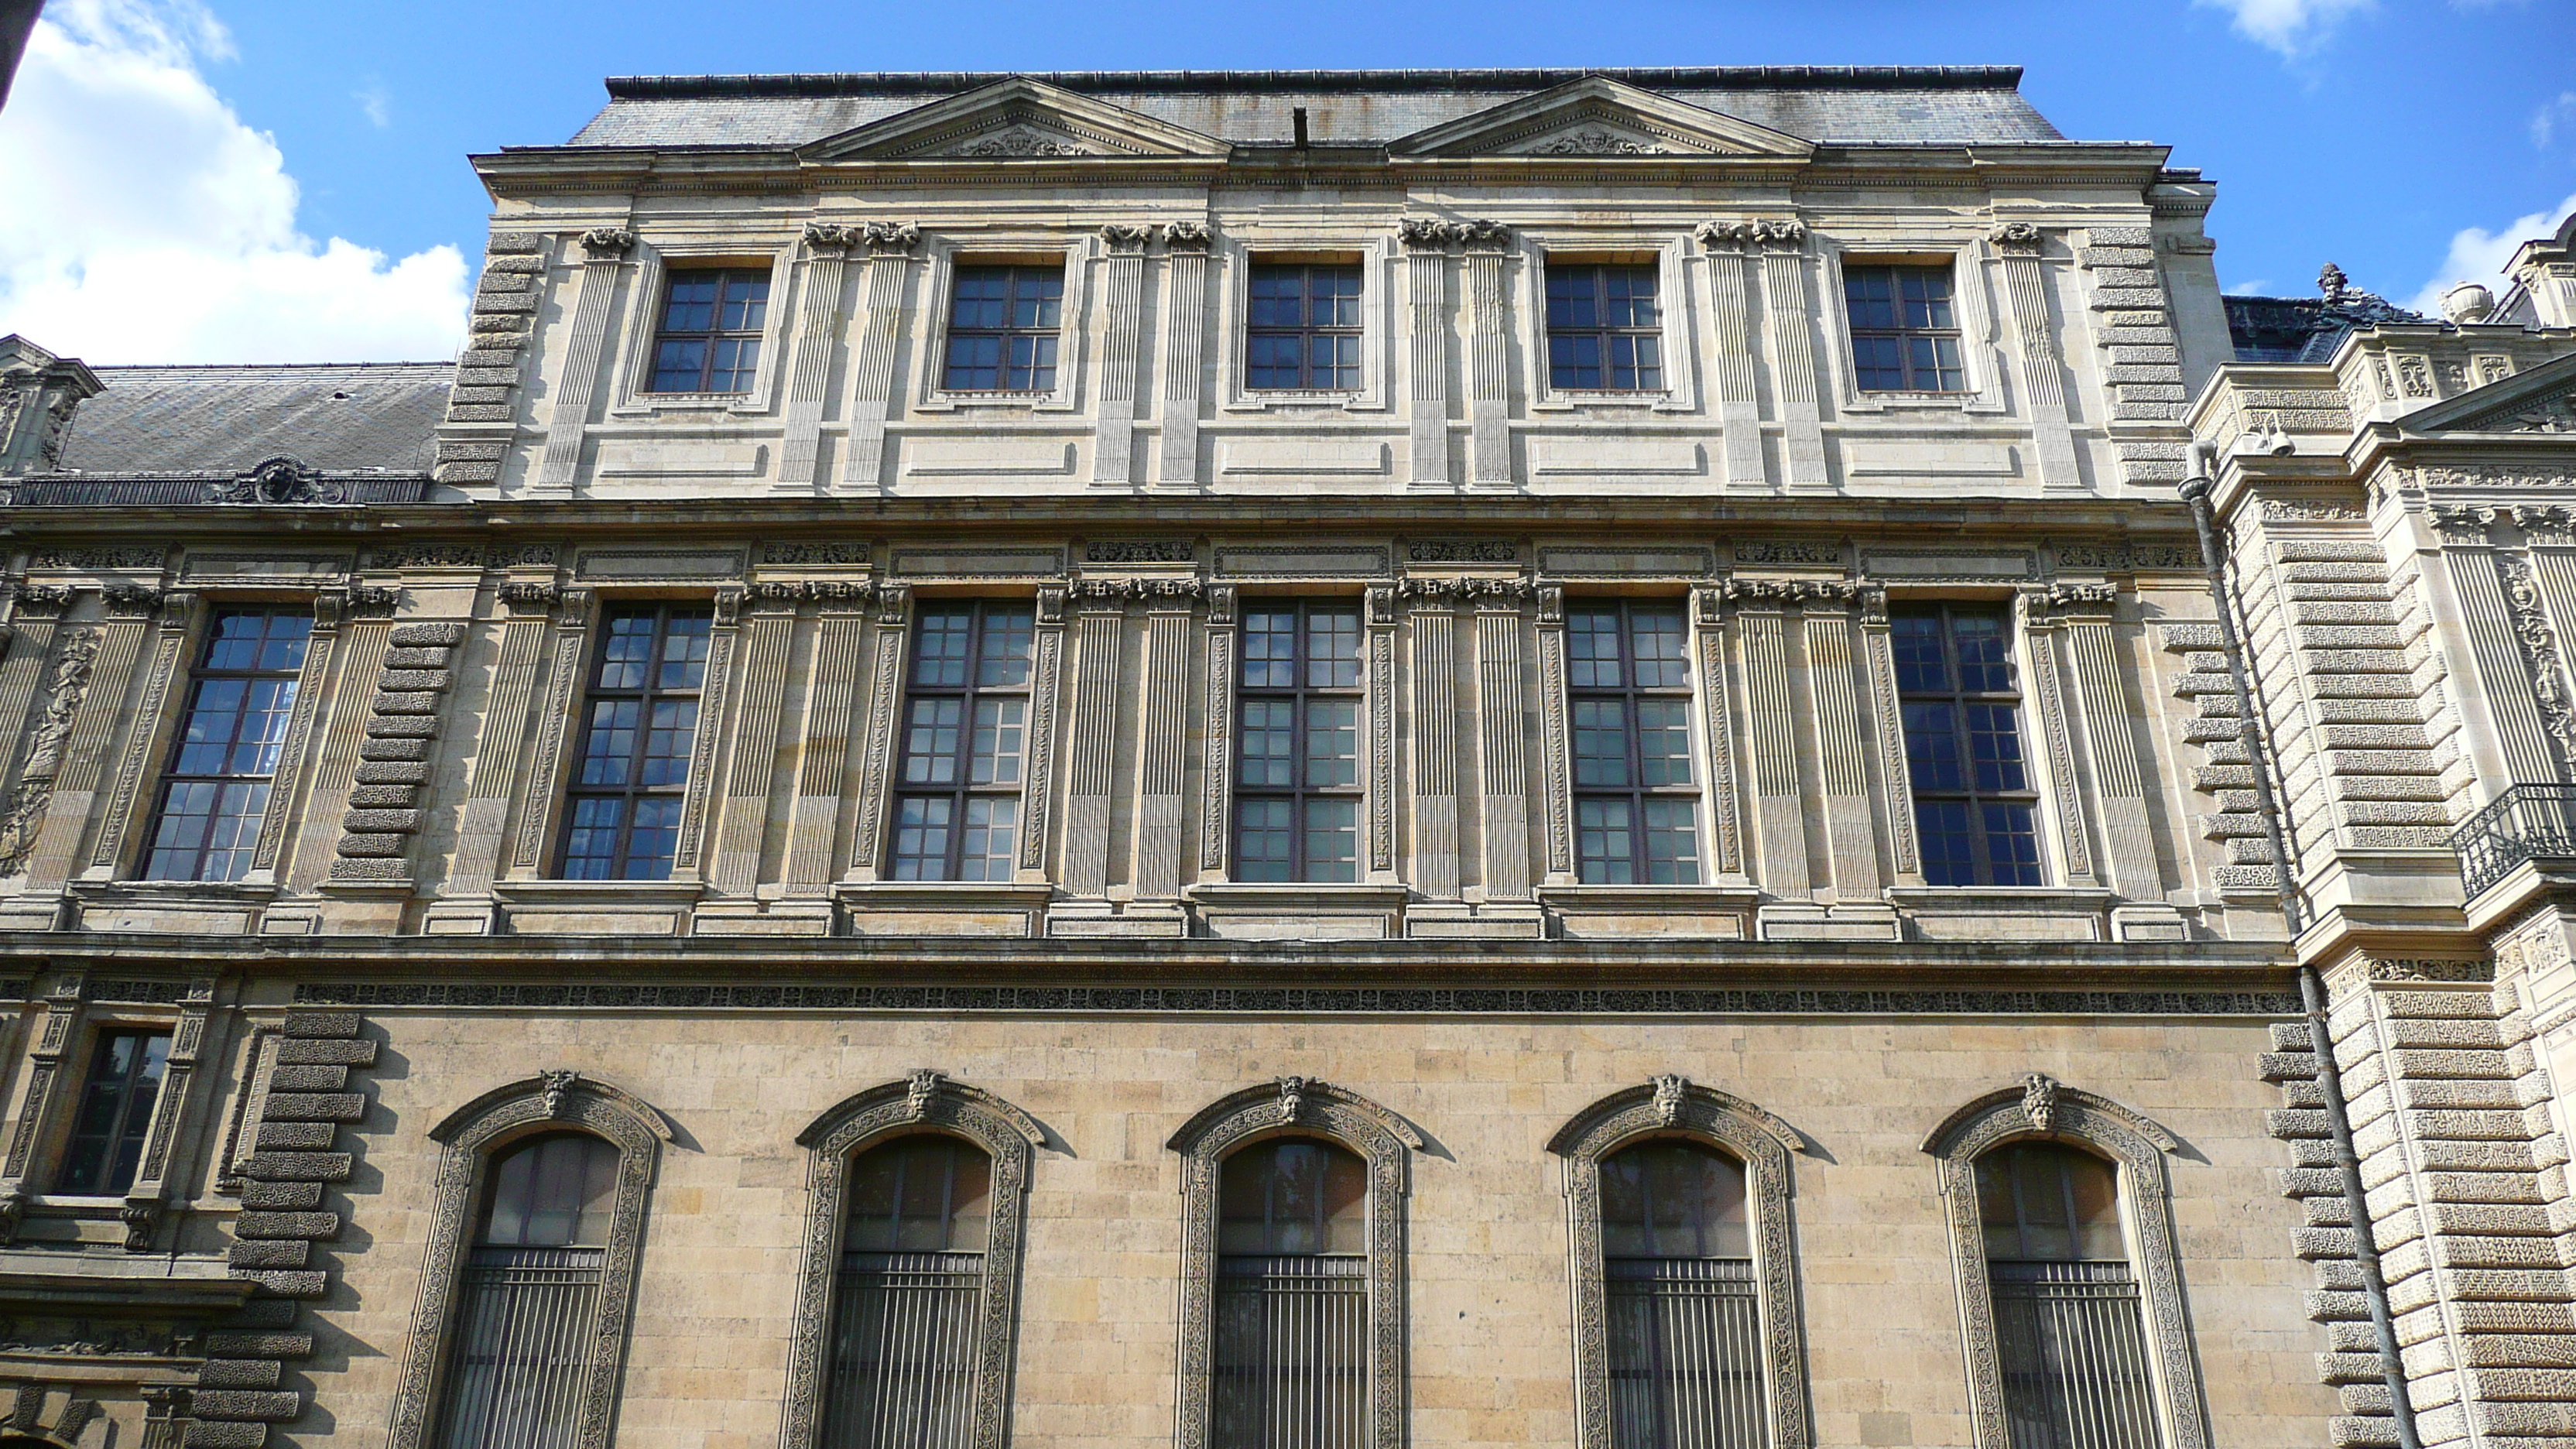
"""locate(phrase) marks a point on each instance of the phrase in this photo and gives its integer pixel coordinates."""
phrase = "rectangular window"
(965, 734)
(115, 1113)
(1297, 773)
(709, 340)
(1002, 325)
(1304, 328)
(1973, 801)
(216, 790)
(1605, 331)
(1905, 329)
(640, 727)
(1628, 690)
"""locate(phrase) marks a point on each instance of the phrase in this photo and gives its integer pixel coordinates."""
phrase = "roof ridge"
(1734, 77)
(259, 366)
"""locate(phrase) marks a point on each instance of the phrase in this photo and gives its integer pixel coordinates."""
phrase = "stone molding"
(471, 1136)
(2042, 1108)
(926, 1103)
(1294, 1107)
(1676, 1107)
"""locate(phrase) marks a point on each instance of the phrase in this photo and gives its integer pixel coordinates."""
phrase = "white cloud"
(2479, 255)
(2253, 288)
(2288, 26)
(147, 223)
(376, 102)
(2546, 121)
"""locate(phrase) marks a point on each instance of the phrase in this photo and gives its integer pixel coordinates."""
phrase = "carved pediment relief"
(2538, 400)
(1015, 120)
(1600, 117)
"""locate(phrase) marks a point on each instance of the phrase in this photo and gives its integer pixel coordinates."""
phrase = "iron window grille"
(1628, 690)
(905, 1326)
(216, 792)
(115, 1115)
(1905, 329)
(1297, 768)
(709, 339)
(957, 810)
(1605, 330)
(2068, 1319)
(1685, 1345)
(1304, 328)
(641, 725)
(1291, 1299)
(1002, 329)
(528, 1306)
(1974, 805)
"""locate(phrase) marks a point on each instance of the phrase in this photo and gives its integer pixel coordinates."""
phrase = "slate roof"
(336, 417)
(1818, 103)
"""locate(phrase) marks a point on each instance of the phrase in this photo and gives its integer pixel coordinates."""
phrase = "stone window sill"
(1298, 895)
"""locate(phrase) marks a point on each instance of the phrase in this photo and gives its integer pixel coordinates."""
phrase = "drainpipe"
(2312, 988)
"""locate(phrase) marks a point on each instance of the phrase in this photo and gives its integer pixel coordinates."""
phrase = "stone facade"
(394, 981)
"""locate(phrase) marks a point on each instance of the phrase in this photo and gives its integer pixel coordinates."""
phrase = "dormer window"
(709, 340)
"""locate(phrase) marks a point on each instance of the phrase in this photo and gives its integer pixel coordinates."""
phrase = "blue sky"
(285, 179)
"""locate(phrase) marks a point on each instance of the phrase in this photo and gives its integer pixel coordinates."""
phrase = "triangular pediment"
(2536, 400)
(1015, 120)
(1600, 117)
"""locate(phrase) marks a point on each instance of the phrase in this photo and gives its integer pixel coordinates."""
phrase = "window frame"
(129, 1129)
(1568, 262)
(281, 774)
(1380, 321)
(1979, 350)
(472, 1139)
(927, 1102)
(1012, 275)
(968, 694)
(1675, 1107)
(942, 260)
(1629, 695)
(1959, 700)
(633, 397)
(1298, 793)
(2038, 1107)
(1293, 1107)
(573, 792)
(1306, 330)
(726, 275)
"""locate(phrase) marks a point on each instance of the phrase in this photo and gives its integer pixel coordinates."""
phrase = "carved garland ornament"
(1294, 1106)
(2039, 1107)
(1674, 1106)
(26, 813)
(924, 1102)
(2540, 656)
(472, 1136)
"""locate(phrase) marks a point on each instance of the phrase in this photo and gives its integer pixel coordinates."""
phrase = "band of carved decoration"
(925, 1103)
(563, 696)
(471, 1138)
(2040, 1108)
(885, 695)
(1553, 747)
(1668, 1107)
(1046, 676)
(1296, 1106)
(1216, 769)
(1381, 730)
(178, 613)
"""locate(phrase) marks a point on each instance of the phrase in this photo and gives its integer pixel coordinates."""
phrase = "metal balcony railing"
(2526, 822)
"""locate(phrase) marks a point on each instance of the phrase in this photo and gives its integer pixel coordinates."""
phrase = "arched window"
(529, 1299)
(2067, 1320)
(1685, 1323)
(909, 1282)
(912, 1274)
(1292, 1251)
(1685, 1302)
(2070, 1292)
(1291, 1361)
(538, 1225)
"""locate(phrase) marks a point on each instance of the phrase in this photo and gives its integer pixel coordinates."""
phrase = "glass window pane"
(1662, 657)
(1669, 1199)
(1332, 839)
(1264, 843)
(1605, 849)
(1600, 743)
(1292, 1197)
(1672, 842)
(1663, 742)
(555, 1192)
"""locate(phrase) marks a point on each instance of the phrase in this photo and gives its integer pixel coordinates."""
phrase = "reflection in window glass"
(528, 1306)
(640, 728)
(2069, 1323)
(215, 794)
(1297, 761)
(1636, 796)
(1291, 1298)
(1685, 1341)
(905, 1323)
(965, 735)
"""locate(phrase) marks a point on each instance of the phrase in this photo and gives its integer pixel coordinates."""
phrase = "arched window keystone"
(537, 1222)
(1304, 1361)
(2078, 1339)
(1725, 1266)
(915, 1194)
